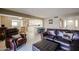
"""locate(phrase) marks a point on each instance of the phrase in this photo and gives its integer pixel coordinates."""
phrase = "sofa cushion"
(68, 35)
(60, 34)
(16, 36)
(76, 36)
(64, 44)
(52, 32)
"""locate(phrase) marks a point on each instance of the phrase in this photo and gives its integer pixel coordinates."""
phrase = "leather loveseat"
(14, 39)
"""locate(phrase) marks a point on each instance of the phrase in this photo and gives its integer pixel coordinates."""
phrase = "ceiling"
(47, 12)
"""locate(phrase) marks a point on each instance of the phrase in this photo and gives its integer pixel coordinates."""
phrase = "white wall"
(56, 23)
(6, 21)
(59, 23)
(0, 21)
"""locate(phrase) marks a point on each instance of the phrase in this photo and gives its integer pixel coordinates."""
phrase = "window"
(37, 23)
(14, 23)
(70, 21)
(64, 23)
(17, 23)
(76, 23)
(71, 24)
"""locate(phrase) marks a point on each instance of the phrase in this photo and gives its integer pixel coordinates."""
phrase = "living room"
(34, 24)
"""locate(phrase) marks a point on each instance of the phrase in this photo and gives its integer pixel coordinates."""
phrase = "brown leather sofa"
(2, 34)
(14, 39)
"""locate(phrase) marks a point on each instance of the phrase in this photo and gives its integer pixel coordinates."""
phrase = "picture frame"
(50, 21)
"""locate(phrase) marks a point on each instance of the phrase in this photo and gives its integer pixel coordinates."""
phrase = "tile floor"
(30, 40)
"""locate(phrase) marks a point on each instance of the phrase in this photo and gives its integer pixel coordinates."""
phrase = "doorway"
(32, 29)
